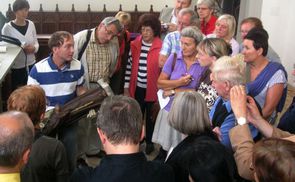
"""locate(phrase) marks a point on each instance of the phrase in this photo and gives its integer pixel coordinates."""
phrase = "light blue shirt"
(171, 43)
(229, 123)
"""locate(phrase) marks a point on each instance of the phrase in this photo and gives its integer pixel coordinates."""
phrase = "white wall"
(278, 17)
(279, 20)
(249, 8)
(96, 5)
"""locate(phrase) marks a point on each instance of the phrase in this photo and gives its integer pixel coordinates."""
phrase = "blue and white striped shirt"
(59, 84)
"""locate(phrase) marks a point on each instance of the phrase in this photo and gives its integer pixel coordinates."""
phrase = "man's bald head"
(16, 136)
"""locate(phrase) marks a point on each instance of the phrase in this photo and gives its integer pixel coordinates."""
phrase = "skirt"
(164, 134)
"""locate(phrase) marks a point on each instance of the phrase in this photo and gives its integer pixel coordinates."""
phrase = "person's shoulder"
(51, 145)
(159, 171)
(30, 22)
(167, 10)
(114, 42)
(42, 63)
(6, 27)
(82, 174)
(157, 42)
(82, 34)
(212, 35)
(49, 141)
(172, 35)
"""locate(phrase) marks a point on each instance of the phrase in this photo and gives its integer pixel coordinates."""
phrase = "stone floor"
(93, 161)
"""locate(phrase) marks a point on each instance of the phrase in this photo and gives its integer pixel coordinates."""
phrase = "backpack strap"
(85, 44)
(174, 61)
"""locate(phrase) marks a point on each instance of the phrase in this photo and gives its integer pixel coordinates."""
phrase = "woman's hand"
(217, 131)
(29, 49)
(185, 80)
(168, 93)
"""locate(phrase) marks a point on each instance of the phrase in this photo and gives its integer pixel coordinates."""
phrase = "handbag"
(74, 110)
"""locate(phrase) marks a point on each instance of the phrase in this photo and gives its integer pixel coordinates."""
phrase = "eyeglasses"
(203, 9)
(146, 30)
(109, 32)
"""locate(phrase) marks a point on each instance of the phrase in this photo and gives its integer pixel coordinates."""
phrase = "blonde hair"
(215, 47)
(123, 16)
(231, 69)
(231, 23)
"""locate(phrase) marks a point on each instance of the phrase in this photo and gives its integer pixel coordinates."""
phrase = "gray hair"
(14, 141)
(120, 118)
(231, 69)
(189, 113)
(209, 3)
(192, 32)
(194, 21)
(112, 20)
(215, 47)
(231, 23)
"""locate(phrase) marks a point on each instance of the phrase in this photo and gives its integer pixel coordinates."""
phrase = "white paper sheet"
(162, 101)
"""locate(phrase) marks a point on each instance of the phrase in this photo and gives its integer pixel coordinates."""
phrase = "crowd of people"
(216, 101)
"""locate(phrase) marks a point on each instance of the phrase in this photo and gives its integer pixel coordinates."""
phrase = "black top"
(125, 168)
(21, 29)
(47, 162)
(287, 122)
(175, 159)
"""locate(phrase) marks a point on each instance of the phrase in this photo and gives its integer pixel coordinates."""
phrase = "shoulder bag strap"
(85, 44)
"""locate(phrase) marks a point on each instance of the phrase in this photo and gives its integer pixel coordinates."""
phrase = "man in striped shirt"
(61, 77)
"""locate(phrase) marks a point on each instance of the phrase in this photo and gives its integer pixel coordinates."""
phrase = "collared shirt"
(180, 69)
(171, 43)
(59, 84)
(98, 58)
(208, 28)
(228, 123)
(173, 17)
(10, 177)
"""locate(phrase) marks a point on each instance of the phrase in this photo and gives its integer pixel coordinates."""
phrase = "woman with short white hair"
(225, 28)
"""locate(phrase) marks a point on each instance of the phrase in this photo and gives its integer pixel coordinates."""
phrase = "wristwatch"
(172, 91)
(241, 120)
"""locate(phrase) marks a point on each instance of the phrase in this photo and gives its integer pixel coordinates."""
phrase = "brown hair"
(57, 38)
(29, 99)
(274, 160)
(19, 5)
(150, 20)
(253, 20)
(120, 118)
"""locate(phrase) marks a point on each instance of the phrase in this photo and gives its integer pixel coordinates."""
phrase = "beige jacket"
(242, 144)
